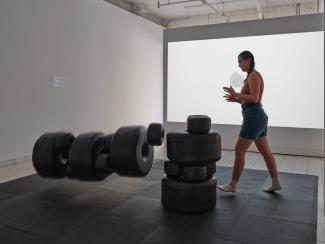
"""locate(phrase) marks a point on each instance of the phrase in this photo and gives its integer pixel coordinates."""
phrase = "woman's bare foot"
(276, 185)
(230, 187)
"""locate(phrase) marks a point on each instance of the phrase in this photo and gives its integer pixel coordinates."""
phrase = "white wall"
(110, 60)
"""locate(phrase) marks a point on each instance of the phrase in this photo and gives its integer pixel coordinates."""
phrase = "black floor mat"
(128, 210)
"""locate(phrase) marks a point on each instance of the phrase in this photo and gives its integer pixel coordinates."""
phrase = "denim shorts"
(254, 123)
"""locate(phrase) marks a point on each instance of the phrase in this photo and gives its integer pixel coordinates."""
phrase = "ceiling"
(184, 8)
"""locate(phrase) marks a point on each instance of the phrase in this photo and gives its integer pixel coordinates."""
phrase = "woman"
(254, 126)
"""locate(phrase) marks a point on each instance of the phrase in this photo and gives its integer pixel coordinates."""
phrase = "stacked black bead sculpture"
(94, 156)
(189, 184)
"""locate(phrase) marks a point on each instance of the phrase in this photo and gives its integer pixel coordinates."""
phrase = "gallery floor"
(14, 169)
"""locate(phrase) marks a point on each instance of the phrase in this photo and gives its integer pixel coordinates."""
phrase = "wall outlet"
(57, 81)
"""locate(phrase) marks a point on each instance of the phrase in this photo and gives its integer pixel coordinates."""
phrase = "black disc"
(108, 141)
(155, 134)
(50, 154)
(188, 149)
(188, 197)
(84, 151)
(131, 155)
(101, 166)
(44, 155)
(171, 169)
(194, 173)
(63, 143)
(211, 169)
(198, 124)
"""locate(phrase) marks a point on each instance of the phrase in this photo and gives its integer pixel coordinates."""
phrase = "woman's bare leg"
(240, 149)
(265, 149)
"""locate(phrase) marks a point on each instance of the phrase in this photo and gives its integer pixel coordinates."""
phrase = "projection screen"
(292, 67)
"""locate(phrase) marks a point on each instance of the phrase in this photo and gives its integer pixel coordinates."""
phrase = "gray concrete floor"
(18, 168)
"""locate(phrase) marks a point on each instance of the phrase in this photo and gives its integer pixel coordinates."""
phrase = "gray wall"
(111, 62)
(295, 141)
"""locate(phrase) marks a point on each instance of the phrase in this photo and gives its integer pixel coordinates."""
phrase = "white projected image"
(292, 67)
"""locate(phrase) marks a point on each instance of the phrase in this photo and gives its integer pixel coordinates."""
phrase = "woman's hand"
(231, 98)
(230, 90)
(231, 95)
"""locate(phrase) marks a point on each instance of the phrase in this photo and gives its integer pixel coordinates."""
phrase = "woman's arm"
(231, 98)
(238, 100)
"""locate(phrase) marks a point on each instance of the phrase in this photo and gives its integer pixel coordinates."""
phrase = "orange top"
(245, 89)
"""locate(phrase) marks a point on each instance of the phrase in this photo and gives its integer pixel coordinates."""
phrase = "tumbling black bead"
(198, 124)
